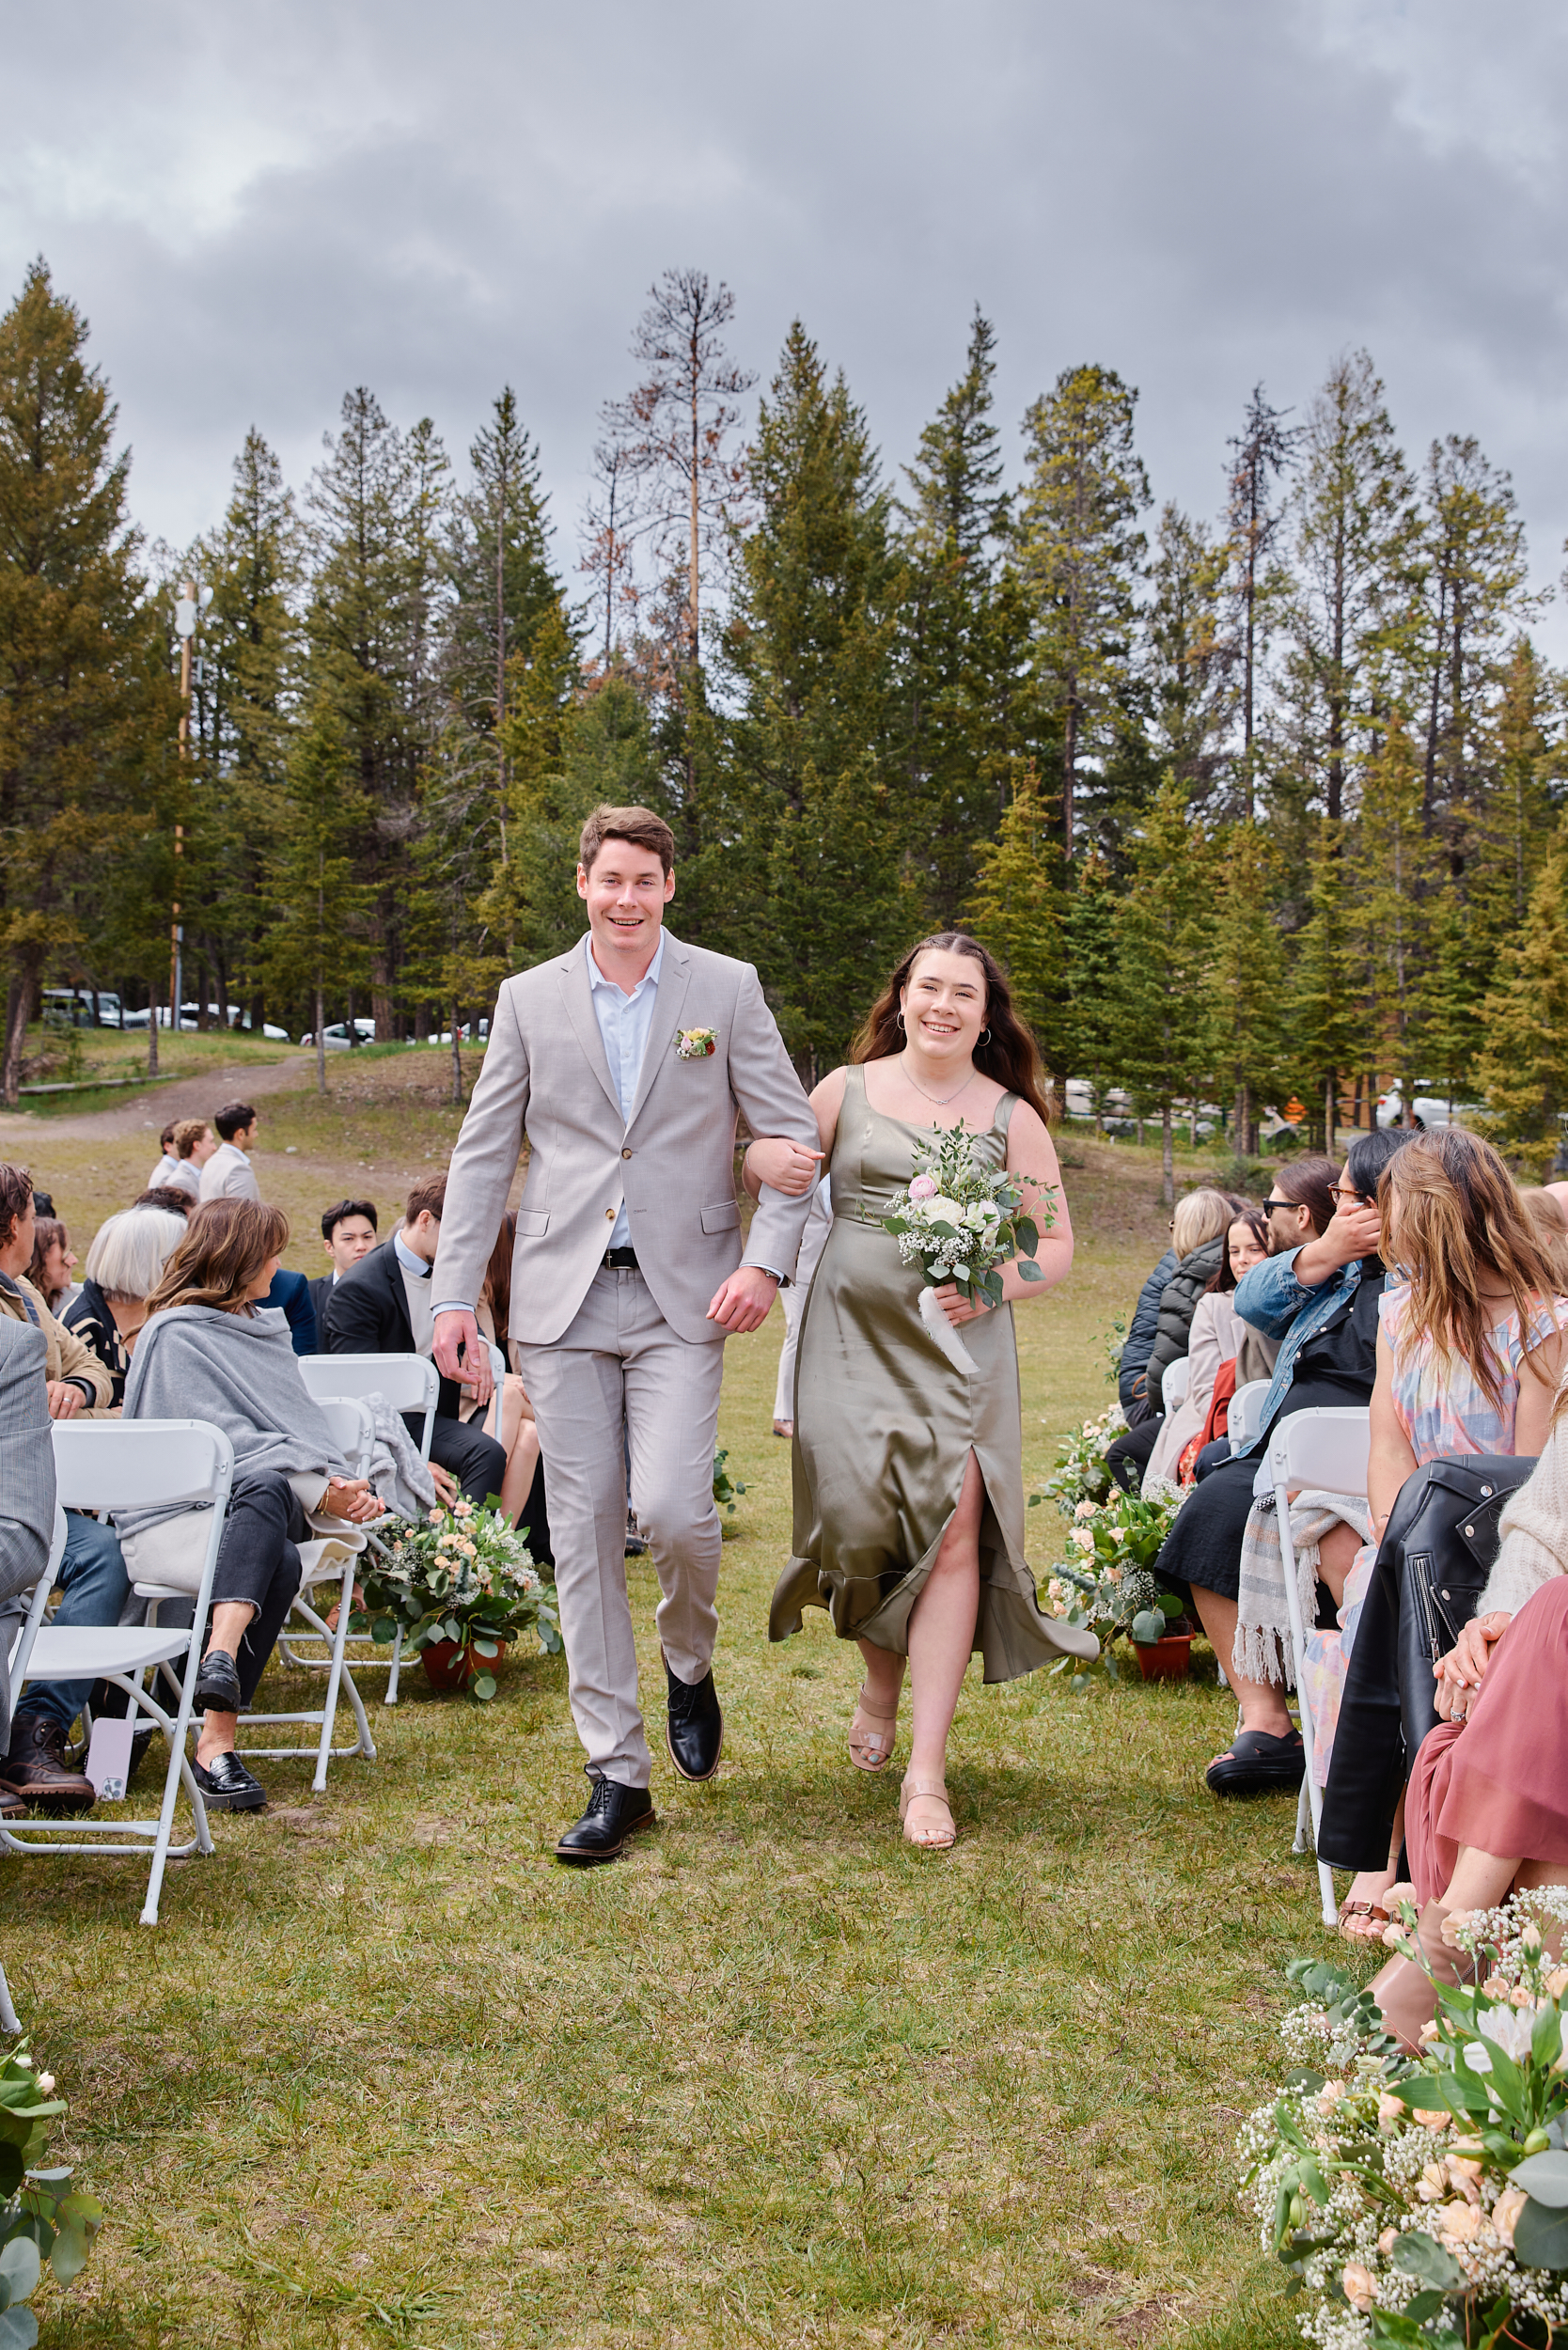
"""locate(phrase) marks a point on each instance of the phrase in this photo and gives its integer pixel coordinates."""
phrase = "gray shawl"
(239, 1372)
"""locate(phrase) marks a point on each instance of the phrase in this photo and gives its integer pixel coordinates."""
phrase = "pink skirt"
(1499, 1782)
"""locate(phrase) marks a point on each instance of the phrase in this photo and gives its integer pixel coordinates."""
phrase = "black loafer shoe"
(227, 1785)
(693, 1729)
(614, 1813)
(217, 1688)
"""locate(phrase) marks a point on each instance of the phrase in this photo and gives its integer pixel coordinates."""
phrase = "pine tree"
(87, 711)
(1524, 1066)
(1090, 1023)
(1397, 877)
(1191, 665)
(313, 951)
(1083, 555)
(1016, 910)
(820, 837)
(1247, 1049)
(965, 634)
(1265, 449)
(1164, 945)
(1325, 1027)
(1474, 571)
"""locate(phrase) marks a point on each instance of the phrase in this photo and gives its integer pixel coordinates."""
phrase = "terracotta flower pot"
(1165, 1660)
(451, 1666)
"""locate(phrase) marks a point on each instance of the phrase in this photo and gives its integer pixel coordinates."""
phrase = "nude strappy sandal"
(872, 1749)
(931, 1790)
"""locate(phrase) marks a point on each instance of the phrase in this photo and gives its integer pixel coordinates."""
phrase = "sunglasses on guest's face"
(1269, 1205)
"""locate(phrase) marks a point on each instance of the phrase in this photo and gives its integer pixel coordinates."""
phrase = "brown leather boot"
(35, 1768)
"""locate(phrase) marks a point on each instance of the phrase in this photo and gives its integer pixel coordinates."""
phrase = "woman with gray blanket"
(209, 1351)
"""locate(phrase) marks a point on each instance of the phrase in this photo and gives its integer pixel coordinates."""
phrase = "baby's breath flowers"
(464, 1575)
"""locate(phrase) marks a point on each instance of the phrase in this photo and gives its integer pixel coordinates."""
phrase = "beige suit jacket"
(545, 1075)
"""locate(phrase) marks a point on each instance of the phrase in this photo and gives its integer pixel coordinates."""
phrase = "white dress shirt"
(416, 1289)
(624, 1022)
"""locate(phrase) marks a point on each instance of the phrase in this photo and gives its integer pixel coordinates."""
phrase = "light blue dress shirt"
(624, 1023)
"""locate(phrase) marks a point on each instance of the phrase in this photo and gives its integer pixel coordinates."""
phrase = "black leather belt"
(621, 1260)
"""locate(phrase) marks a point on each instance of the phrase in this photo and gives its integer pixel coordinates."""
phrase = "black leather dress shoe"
(227, 1785)
(693, 1729)
(217, 1688)
(614, 1814)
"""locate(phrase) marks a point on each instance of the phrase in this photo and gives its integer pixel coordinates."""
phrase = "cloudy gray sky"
(258, 205)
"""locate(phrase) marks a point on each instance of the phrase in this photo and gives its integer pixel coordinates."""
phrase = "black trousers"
(1205, 1543)
(1128, 1457)
(258, 1561)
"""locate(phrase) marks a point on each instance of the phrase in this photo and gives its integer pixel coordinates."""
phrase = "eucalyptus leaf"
(1422, 2257)
(483, 1688)
(1544, 2178)
(19, 2269)
(1148, 1626)
(1541, 2235)
(19, 2329)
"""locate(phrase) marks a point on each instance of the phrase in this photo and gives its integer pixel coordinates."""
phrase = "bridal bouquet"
(961, 1220)
(1425, 2200)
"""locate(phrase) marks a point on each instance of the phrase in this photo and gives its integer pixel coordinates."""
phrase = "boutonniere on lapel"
(695, 1044)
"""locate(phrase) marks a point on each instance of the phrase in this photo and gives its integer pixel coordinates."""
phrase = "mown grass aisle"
(386, 2072)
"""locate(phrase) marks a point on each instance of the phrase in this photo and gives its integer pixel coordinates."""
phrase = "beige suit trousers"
(618, 1363)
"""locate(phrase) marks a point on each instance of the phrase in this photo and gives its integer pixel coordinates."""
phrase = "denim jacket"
(1275, 1301)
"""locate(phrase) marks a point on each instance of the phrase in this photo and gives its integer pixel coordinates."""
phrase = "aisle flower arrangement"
(43, 2218)
(1106, 1582)
(1082, 1473)
(1424, 2201)
(462, 1576)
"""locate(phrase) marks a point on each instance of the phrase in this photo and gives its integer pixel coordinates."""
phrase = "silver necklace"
(940, 1100)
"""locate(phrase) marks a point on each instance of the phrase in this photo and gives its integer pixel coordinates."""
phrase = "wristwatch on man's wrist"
(781, 1278)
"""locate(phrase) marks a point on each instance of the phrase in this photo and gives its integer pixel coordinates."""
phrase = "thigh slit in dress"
(885, 1427)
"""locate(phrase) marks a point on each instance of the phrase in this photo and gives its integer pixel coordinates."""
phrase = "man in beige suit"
(624, 1062)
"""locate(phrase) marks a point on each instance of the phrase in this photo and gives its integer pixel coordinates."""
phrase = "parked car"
(75, 1005)
(336, 1039)
(1431, 1109)
(236, 1020)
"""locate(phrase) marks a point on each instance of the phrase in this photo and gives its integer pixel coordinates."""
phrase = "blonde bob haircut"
(1201, 1216)
(1453, 1223)
(130, 1250)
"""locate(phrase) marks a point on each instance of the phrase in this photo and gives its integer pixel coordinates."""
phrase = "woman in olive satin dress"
(908, 1473)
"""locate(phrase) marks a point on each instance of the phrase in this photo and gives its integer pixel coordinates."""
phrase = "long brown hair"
(1010, 1054)
(47, 1230)
(225, 1245)
(1450, 1218)
(496, 1285)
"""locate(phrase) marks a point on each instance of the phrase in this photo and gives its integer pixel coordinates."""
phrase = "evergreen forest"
(1256, 806)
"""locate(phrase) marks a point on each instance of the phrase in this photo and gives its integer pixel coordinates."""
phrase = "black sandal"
(1256, 1764)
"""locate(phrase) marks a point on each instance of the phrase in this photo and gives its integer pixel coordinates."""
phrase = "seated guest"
(229, 1173)
(1469, 1354)
(210, 1339)
(191, 1144)
(523, 1487)
(1132, 1387)
(1197, 1238)
(1320, 1297)
(76, 1384)
(1486, 1811)
(1215, 1339)
(1551, 1233)
(382, 1306)
(167, 1161)
(53, 1261)
(291, 1293)
(167, 1196)
(26, 1496)
(124, 1266)
(348, 1233)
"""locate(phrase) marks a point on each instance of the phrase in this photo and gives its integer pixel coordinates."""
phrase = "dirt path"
(153, 1105)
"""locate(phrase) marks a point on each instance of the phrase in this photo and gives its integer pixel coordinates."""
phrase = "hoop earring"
(899, 1017)
(985, 1035)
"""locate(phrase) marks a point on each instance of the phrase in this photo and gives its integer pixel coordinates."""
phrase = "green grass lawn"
(386, 2073)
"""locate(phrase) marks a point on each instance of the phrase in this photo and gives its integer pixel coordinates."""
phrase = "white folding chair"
(1174, 1383)
(21, 1649)
(328, 1558)
(1245, 1413)
(410, 1383)
(129, 1464)
(1323, 1450)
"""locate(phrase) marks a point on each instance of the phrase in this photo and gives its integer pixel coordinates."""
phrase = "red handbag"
(1216, 1425)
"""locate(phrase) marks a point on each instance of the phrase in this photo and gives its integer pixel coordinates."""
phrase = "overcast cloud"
(260, 206)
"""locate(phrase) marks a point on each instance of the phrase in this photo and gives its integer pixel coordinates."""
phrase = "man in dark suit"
(382, 1306)
(348, 1230)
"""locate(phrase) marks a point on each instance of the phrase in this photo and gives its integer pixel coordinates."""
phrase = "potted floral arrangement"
(461, 1585)
(1424, 2200)
(42, 2217)
(1108, 1583)
(1082, 1472)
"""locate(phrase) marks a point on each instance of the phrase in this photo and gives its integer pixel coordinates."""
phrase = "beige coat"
(546, 1075)
(68, 1358)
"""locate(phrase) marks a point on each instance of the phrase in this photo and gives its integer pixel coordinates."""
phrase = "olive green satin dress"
(884, 1426)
